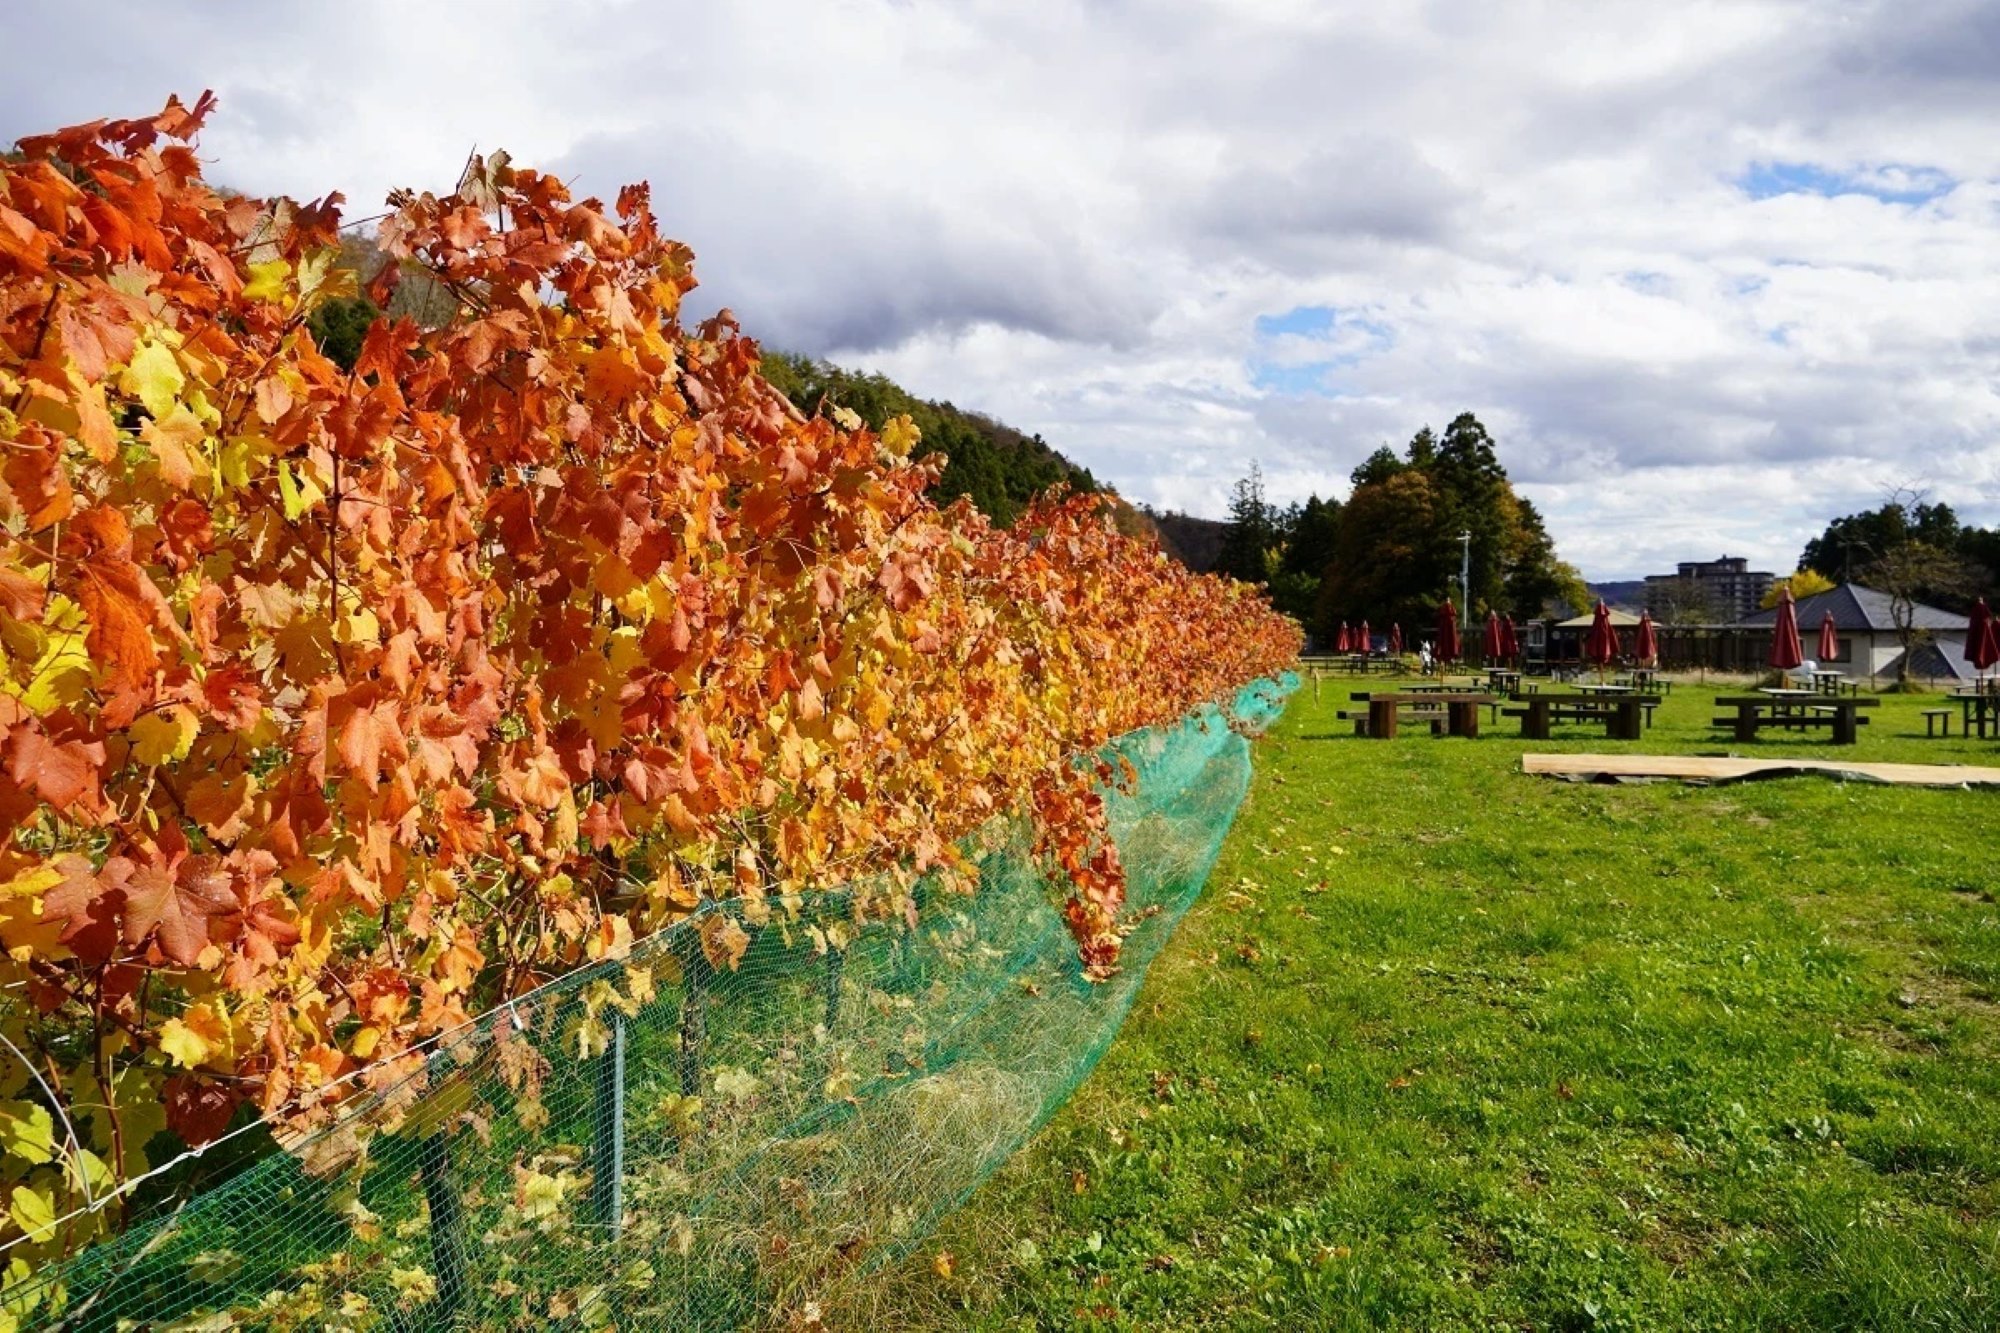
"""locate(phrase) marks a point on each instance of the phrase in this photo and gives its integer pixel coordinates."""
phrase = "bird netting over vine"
(653, 1142)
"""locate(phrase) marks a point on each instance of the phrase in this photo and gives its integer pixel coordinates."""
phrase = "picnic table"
(1457, 712)
(1794, 710)
(1623, 715)
(1589, 687)
(1504, 679)
(1978, 710)
(1831, 682)
(1647, 680)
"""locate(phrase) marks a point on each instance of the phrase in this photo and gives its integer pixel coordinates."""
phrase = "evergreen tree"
(1396, 548)
(1423, 448)
(1310, 532)
(1251, 538)
(1378, 467)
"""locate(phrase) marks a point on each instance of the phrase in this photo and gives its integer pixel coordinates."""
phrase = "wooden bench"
(1754, 713)
(1459, 712)
(1934, 716)
(1623, 715)
(1359, 717)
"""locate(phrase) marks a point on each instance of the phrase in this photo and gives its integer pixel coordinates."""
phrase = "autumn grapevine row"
(337, 706)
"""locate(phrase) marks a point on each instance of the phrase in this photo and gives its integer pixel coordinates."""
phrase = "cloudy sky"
(1711, 273)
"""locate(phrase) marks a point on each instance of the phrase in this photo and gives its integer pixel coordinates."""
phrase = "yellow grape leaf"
(34, 1211)
(155, 377)
(613, 577)
(178, 444)
(196, 1037)
(539, 1196)
(592, 1035)
(444, 1104)
(62, 670)
(165, 736)
(635, 603)
(183, 1043)
(90, 1174)
(683, 1114)
(237, 460)
(28, 1132)
(33, 880)
(737, 1085)
(314, 270)
(215, 1265)
(625, 651)
(357, 626)
(267, 281)
(901, 435)
(413, 1285)
(298, 494)
(367, 1226)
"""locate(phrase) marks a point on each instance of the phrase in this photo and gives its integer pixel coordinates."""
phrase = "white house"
(1866, 632)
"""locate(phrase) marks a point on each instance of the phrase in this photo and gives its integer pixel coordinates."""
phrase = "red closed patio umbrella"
(1513, 638)
(1363, 640)
(1829, 641)
(1395, 639)
(1495, 644)
(1345, 643)
(1786, 655)
(1647, 649)
(1601, 644)
(1982, 637)
(1447, 643)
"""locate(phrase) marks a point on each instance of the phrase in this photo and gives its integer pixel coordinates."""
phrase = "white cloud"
(1712, 272)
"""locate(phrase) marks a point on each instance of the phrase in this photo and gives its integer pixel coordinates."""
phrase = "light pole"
(1465, 577)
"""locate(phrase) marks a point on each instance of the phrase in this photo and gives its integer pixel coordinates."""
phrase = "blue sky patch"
(1307, 320)
(1288, 359)
(1892, 183)
(1292, 381)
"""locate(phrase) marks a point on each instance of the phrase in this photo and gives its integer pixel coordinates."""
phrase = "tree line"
(1391, 552)
(1910, 546)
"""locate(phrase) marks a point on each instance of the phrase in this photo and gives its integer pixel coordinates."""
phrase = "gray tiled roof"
(1856, 608)
(1931, 662)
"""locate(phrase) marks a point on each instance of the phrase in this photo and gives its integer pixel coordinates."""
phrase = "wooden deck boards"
(1716, 769)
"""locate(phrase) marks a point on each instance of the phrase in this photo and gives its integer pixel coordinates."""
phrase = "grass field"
(1448, 1046)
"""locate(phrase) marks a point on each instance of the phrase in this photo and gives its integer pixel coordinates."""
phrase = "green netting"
(728, 1152)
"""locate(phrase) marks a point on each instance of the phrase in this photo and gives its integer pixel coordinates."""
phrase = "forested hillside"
(998, 467)
(1195, 542)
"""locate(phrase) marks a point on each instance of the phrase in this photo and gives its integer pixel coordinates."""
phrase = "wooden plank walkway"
(1704, 768)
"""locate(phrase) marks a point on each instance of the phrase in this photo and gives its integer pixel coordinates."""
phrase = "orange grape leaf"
(123, 607)
(62, 773)
(723, 942)
(20, 596)
(175, 903)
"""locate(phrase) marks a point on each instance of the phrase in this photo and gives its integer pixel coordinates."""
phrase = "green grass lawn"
(1447, 1046)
